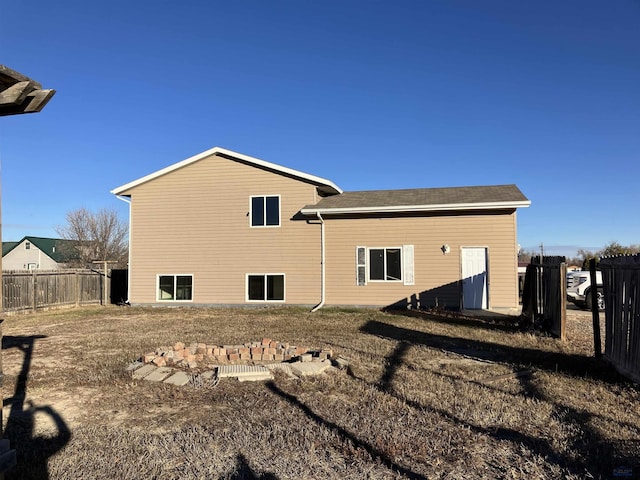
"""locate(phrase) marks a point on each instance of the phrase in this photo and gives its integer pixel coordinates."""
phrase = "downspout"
(126, 200)
(322, 260)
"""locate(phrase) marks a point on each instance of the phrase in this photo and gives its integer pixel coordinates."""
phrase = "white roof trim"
(245, 158)
(421, 208)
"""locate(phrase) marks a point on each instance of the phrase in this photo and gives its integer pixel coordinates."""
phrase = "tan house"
(222, 228)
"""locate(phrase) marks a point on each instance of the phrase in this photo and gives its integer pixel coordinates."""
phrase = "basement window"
(177, 288)
(265, 287)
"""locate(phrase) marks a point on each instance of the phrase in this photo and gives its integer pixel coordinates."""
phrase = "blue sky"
(369, 94)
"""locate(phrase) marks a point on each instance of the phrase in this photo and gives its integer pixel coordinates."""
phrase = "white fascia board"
(224, 151)
(420, 208)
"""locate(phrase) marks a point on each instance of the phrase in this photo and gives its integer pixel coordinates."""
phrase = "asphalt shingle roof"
(427, 197)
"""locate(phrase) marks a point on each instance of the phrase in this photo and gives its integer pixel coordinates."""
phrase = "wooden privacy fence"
(30, 290)
(621, 288)
(544, 295)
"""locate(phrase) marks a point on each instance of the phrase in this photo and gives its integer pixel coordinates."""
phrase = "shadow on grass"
(589, 452)
(32, 452)
(244, 472)
(489, 321)
(382, 457)
(569, 364)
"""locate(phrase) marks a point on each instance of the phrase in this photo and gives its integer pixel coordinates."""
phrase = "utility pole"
(18, 94)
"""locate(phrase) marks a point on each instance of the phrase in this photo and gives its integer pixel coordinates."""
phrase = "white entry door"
(474, 278)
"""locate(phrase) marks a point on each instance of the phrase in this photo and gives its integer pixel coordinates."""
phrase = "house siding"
(437, 276)
(196, 221)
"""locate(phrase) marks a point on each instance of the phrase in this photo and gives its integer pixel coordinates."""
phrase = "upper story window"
(27, 245)
(265, 211)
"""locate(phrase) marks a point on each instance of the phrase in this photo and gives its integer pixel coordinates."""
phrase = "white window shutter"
(407, 265)
(361, 266)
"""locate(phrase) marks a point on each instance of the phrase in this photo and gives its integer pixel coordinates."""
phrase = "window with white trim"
(385, 264)
(267, 287)
(265, 211)
(176, 288)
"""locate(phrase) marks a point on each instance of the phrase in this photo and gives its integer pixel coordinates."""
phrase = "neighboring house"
(222, 228)
(36, 253)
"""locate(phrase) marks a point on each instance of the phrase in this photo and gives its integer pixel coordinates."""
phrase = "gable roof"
(8, 246)
(422, 200)
(56, 248)
(325, 186)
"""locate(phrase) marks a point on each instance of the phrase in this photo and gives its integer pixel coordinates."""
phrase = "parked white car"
(579, 289)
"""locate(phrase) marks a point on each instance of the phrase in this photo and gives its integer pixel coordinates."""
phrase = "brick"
(199, 357)
(190, 358)
(209, 351)
(245, 356)
(178, 346)
(278, 357)
(270, 351)
(222, 351)
(273, 344)
(186, 352)
(233, 356)
(220, 358)
(159, 362)
(192, 348)
(256, 351)
(257, 357)
(177, 354)
(301, 350)
(201, 348)
(306, 357)
(244, 350)
(266, 341)
(267, 357)
(148, 357)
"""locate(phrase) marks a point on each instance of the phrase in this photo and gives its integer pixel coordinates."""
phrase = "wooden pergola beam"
(20, 94)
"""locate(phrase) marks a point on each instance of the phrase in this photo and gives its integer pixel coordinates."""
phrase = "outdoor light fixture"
(445, 249)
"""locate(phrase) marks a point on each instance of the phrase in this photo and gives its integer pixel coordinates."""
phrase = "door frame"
(487, 277)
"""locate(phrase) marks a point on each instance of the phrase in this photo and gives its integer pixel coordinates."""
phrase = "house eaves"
(495, 197)
(325, 186)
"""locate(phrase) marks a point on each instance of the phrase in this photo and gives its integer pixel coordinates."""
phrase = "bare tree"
(95, 236)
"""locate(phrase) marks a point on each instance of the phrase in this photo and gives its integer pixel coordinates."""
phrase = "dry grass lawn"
(426, 396)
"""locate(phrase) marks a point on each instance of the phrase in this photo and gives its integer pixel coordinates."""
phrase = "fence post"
(563, 301)
(34, 285)
(595, 314)
(77, 279)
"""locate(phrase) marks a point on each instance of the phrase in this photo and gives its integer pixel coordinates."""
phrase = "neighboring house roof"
(323, 185)
(57, 248)
(422, 200)
(8, 246)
